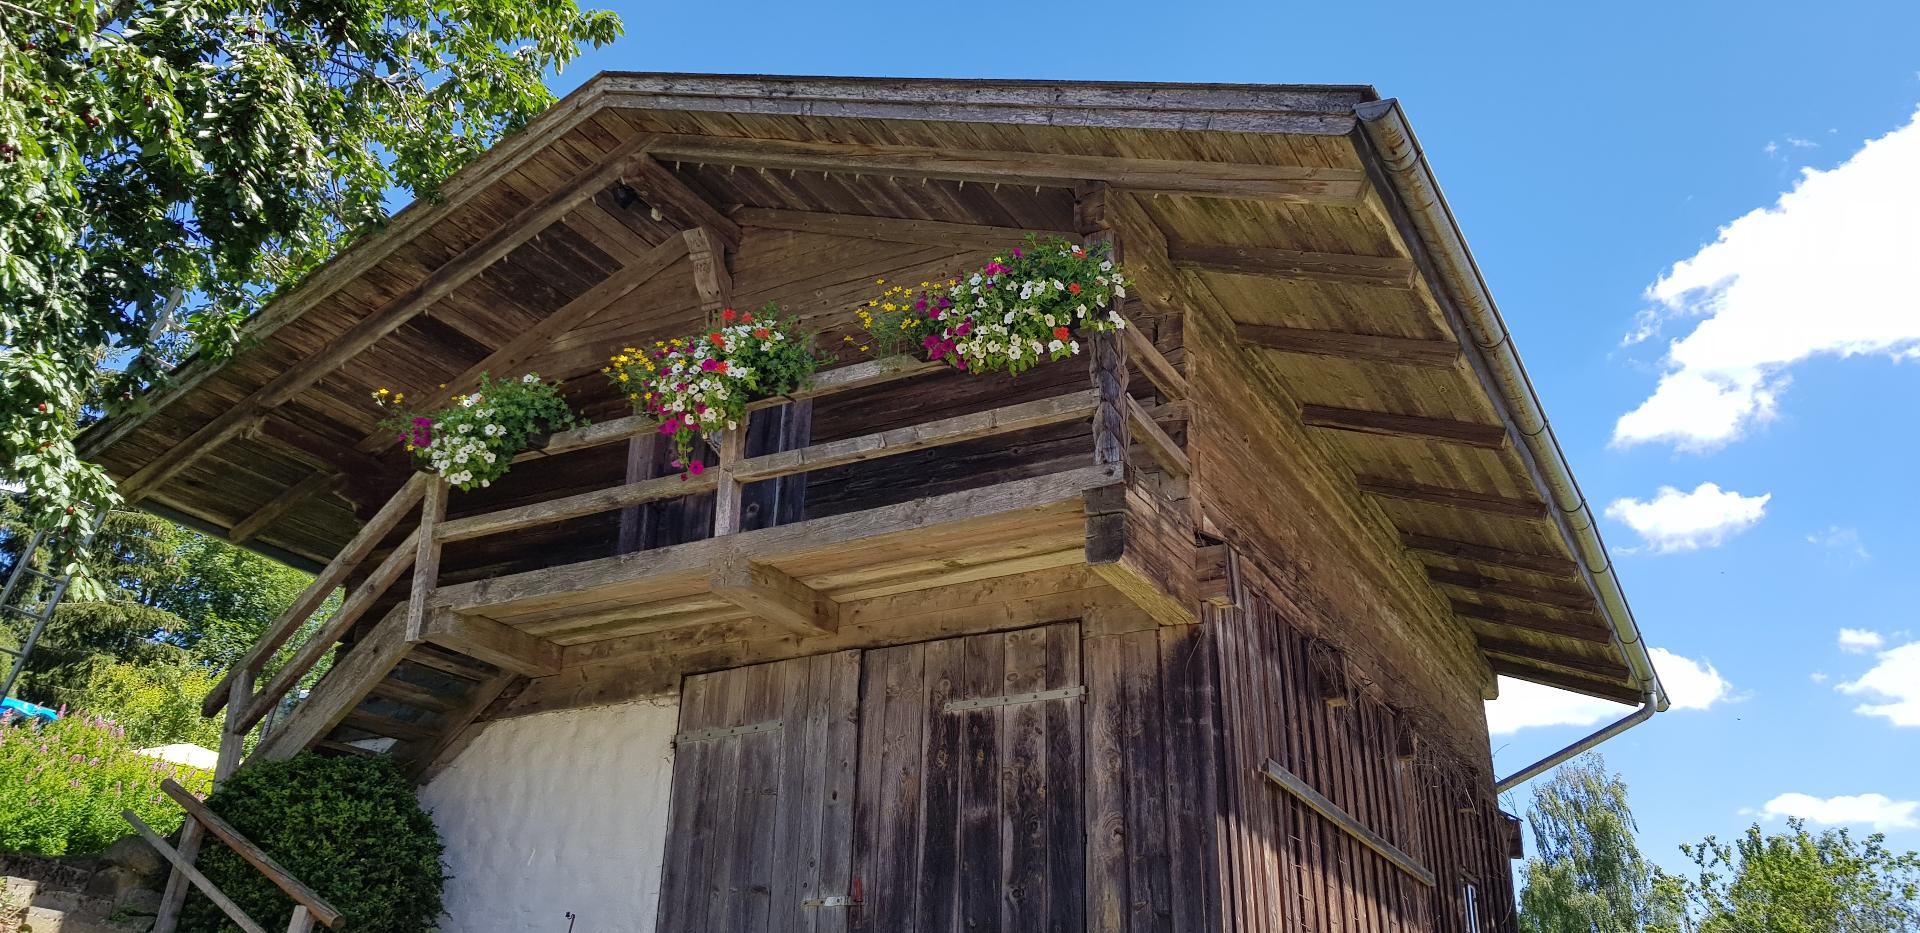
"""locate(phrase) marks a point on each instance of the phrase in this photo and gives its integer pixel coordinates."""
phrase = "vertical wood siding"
(1287, 697)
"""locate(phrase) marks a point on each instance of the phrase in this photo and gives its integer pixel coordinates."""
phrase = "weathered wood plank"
(1169, 455)
(1275, 183)
(486, 640)
(676, 200)
(323, 585)
(960, 236)
(1587, 628)
(1020, 417)
(185, 867)
(342, 689)
(1561, 599)
(1371, 348)
(426, 557)
(1411, 427)
(1472, 500)
(773, 596)
(318, 484)
(574, 506)
(338, 626)
(1550, 564)
(1333, 268)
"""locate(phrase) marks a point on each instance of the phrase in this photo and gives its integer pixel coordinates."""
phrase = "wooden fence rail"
(309, 906)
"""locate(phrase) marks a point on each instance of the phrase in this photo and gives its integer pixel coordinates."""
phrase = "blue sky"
(1587, 150)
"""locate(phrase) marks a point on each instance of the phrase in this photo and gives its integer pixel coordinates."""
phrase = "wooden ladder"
(309, 907)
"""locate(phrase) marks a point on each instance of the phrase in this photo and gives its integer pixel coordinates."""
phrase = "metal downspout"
(1399, 155)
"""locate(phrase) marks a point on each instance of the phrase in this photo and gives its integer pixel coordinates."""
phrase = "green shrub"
(63, 785)
(349, 827)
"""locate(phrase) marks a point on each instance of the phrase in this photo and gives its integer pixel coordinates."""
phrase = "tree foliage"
(170, 608)
(1791, 882)
(167, 166)
(1588, 875)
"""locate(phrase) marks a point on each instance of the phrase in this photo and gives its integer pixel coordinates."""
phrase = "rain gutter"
(1407, 183)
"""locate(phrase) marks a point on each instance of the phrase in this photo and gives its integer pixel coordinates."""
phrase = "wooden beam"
(416, 696)
(1154, 365)
(1550, 564)
(711, 281)
(342, 689)
(338, 626)
(253, 854)
(1286, 184)
(1213, 574)
(1560, 599)
(459, 726)
(386, 726)
(1331, 268)
(676, 201)
(1368, 348)
(1059, 409)
(970, 237)
(574, 506)
(184, 866)
(438, 284)
(317, 484)
(1144, 551)
(323, 585)
(1347, 823)
(500, 645)
(774, 596)
(426, 556)
(503, 362)
(1149, 434)
(726, 483)
(1534, 654)
(769, 544)
(332, 451)
(1411, 427)
(1452, 498)
(1605, 690)
(1590, 630)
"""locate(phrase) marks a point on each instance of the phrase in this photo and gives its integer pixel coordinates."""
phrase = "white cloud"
(1690, 684)
(1818, 677)
(1844, 540)
(1894, 679)
(1826, 270)
(1522, 704)
(1875, 810)
(1861, 641)
(1683, 521)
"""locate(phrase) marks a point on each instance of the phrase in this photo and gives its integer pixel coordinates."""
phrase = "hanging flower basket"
(472, 441)
(1029, 306)
(702, 384)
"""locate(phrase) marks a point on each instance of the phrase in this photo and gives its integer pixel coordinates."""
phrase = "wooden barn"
(1190, 632)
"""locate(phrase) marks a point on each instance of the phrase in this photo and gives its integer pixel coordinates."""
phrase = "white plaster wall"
(558, 812)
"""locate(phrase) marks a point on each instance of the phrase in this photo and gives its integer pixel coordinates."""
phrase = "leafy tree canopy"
(167, 166)
(1588, 875)
(1791, 882)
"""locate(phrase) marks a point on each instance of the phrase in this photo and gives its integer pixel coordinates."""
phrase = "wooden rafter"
(1550, 564)
(1589, 629)
(1333, 268)
(1531, 654)
(774, 596)
(1559, 599)
(982, 237)
(1369, 348)
(318, 484)
(1290, 184)
(676, 201)
(500, 645)
(1452, 498)
(1412, 427)
(440, 283)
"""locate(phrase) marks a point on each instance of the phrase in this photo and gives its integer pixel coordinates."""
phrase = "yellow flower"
(879, 281)
(630, 396)
(384, 392)
(443, 385)
(606, 369)
(623, 377)
(863, 348)
(848, 338)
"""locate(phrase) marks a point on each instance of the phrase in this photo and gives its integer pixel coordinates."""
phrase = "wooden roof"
(1258, 204)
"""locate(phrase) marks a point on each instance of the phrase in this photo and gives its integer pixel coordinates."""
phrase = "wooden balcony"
(1110, 527)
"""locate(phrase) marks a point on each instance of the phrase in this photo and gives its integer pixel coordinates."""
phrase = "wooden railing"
(309, 907)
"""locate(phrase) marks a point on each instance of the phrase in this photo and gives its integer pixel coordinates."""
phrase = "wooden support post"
(426, 558)
(643, 452)
(1107, 353)
(726, 490)
(772, 595)
(707, 253)
(302, 920)
(233, 738)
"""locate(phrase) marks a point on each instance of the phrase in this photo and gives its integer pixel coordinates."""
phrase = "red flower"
(747, 317)
(761, 332)
(1074, 288)
(717, 339)
(727, 315)
(721, 367)
(1061, 333)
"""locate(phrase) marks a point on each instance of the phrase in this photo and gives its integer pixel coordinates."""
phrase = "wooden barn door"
(970, 806)
(760, 833)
